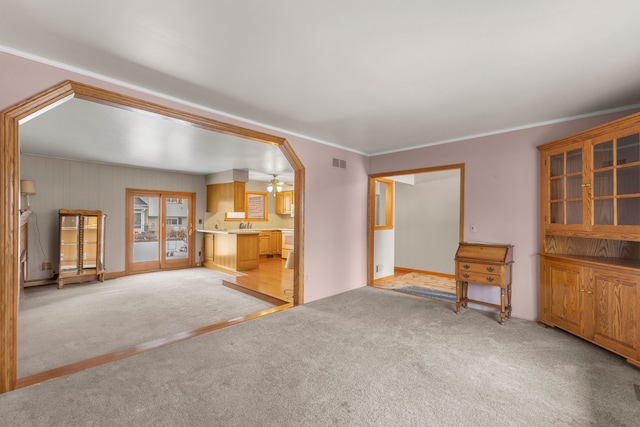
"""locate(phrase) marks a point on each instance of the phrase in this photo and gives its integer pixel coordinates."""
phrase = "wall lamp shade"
(27, 187)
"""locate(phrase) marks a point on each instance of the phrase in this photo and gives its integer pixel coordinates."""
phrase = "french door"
(160, 230)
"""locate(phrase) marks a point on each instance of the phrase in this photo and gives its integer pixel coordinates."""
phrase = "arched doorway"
(9, 194)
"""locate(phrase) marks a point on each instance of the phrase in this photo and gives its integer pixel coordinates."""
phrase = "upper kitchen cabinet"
(227, 197)
(284, 202)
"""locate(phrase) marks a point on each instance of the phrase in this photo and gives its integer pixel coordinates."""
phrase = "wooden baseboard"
(380, 279)
(114, 274)
(41, 282)
(404, 270)
(54, 280)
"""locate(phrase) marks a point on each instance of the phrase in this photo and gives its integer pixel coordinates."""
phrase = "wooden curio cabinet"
(81, 246)
(590, 235)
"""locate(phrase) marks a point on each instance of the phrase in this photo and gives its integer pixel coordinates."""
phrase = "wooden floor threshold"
(261, 296)
(141, 348)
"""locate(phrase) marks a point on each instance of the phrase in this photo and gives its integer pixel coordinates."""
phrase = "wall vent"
(339, 163)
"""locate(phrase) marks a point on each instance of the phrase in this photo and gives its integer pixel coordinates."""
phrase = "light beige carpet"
(61, 326)
(366, 357)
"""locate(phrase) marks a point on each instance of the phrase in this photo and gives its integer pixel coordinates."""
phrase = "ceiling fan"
(276, 184)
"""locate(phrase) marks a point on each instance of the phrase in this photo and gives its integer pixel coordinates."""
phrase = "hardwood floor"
(270, 282)
(436, 281)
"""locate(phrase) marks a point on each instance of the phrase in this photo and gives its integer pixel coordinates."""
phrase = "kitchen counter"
(231, 231)
(235, 250)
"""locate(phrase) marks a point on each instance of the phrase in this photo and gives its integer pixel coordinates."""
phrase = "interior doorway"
(425, 223)
(160, 230)
(9, 193)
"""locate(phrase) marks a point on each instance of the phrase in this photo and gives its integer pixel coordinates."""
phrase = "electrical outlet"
(474, 228)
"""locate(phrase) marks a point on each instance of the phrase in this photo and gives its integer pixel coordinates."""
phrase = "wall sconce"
(28, 188)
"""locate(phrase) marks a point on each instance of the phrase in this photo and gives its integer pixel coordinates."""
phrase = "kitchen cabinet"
(590, 235)
(270, 242)
(81, 244)
(284, 202)
(208, 250)
(265, 243)
(227, 197)
(276, 242)
(231, 250)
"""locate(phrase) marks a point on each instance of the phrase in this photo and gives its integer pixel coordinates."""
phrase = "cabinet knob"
(465, 275)
(490, 269)
(466, 266)
(489, 279)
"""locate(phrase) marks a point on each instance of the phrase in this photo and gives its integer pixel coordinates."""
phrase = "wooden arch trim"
(10, 182)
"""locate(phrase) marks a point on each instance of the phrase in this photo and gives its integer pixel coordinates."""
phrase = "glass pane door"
(159, 230)
(146, 242)
(176, 235)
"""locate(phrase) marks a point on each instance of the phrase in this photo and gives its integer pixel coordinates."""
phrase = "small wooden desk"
(484, 264)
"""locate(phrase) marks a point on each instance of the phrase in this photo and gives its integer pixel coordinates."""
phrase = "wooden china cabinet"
(81, 246)
(590, 235)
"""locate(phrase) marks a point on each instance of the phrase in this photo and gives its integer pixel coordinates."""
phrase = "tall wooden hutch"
(81, 246)
(590, 235)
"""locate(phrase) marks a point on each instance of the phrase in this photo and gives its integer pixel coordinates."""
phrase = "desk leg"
(465, 294)
(458, 295)
(502, 305)
(509, 300)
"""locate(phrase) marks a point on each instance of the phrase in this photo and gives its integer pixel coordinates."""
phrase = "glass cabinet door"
(565, 187)
(89, 242)
(69, 233)
(616, 181)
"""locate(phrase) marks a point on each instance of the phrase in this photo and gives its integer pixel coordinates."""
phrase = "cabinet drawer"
(476, 267)
(478, 277)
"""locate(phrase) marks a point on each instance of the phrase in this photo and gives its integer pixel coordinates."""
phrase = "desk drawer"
(475, 267)
(483, 278)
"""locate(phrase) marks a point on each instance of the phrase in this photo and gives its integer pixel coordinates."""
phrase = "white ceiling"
(370, 76)
(92, 132)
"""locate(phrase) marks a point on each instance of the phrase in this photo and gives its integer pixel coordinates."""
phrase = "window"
(257, 207)
(384, 204)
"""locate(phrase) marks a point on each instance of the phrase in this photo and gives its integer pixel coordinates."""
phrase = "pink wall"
(336, 208)
(501, 187)
(501, 195)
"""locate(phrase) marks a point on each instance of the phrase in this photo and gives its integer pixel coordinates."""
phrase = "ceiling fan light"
(279, 188)
(269, 188)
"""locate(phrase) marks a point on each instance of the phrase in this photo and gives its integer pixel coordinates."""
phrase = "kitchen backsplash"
(275, 221)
